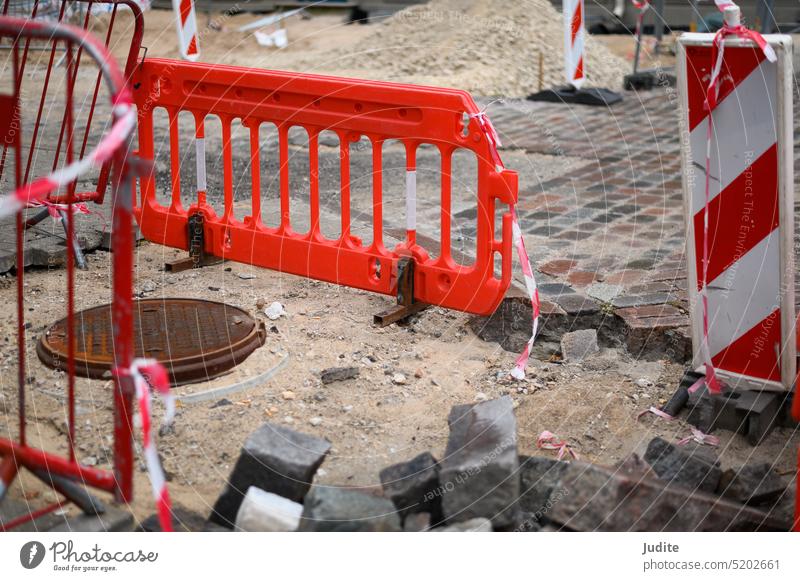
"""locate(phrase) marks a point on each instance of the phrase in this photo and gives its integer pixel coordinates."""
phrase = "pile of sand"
(488, 47)
(484, 46)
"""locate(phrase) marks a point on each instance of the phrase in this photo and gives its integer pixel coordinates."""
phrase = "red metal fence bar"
(73, 39)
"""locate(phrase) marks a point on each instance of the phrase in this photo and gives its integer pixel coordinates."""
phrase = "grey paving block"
(275, 459)
(479, 473)
(413, 486)
(597, 498)
(333, 509)
(693, 466)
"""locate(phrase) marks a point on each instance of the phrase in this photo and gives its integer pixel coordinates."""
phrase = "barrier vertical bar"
(313, 186)
(283, 160)
(411, 193)
(227, 168)
(175, 161)
(377, 194)
(200, 158)
(445, 252)
(255, 175)
(344, 178)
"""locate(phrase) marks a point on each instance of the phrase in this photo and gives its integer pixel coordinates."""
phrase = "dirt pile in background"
(487, 47)
(483, 46)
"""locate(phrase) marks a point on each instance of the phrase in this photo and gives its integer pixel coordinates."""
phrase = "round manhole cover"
(195, 339)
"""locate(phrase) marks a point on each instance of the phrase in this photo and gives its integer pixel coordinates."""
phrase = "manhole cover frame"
(189, 368)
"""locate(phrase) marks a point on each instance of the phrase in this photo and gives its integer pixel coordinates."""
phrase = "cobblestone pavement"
(607, 234)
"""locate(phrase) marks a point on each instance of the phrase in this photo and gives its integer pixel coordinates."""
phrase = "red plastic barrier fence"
(17, 34)
(447, 119)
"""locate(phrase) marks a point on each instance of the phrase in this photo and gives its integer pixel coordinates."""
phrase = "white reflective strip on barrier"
(200, 147)
(411, 200)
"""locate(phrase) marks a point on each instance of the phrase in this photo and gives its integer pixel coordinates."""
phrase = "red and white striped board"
(751, 311)
(186, 24)
(574, 33)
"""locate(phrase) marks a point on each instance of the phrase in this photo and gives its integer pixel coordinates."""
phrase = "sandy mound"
(476, 45)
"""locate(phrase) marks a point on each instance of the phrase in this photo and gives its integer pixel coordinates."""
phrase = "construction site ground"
(600, 207)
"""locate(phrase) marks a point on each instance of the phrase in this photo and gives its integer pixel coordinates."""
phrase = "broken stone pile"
(483, 484)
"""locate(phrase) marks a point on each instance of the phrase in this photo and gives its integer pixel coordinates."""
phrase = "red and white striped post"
(186, 24)
(736, 124)
(574, 34)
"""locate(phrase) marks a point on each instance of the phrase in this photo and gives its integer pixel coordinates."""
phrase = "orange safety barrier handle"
(351, 108)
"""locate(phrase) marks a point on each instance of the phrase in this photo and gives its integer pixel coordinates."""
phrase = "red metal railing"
(75, 43)
(86, 115)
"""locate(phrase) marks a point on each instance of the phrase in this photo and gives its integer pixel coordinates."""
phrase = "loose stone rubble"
(263, 511)
(578, 345)
(693, 466)
(479, 474)
(482, 484)
(413, 487)
(275, 459)
(327, 509)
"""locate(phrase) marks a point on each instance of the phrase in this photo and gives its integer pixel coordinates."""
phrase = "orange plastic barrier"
(352, 109)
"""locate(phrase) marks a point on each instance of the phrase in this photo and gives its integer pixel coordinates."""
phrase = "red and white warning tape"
(37, 191)
(533, 293)
(54, 209)
(491, 135)
(656, 412)
(731, 27)
(642, 6)
(697, 434)
(699, 437)
(549, 441)
(147, 373)
(518, 372)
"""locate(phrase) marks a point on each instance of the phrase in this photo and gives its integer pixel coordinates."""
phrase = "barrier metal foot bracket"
(406, 305)
(197, 253)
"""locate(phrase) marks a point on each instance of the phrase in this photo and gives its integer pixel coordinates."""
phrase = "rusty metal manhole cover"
(195, 339)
